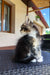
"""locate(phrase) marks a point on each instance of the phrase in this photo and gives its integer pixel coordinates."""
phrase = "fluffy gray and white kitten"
(28, 46)
(33, 32)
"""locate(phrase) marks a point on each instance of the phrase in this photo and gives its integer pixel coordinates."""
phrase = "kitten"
(28, 46)
(33, 32)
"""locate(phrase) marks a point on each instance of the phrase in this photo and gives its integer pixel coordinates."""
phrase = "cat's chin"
(34, 60)
(23, 34)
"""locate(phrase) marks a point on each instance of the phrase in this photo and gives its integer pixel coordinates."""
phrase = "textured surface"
(9, 68)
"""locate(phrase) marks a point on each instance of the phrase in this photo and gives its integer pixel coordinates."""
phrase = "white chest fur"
(36, 40)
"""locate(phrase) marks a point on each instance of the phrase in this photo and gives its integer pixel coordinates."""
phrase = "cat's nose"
(20, 30)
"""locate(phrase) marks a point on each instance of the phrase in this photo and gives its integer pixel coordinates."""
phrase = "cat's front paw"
(34, 60)
(40, 59)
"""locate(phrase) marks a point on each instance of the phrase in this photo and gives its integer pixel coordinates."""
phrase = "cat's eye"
(21, 28)
(25, 29)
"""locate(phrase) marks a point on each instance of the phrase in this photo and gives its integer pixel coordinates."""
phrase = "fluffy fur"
(23, 49)
(28, 47)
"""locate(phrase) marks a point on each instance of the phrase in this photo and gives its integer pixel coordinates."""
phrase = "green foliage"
(47, 32)
(47, 39)
(38, 16)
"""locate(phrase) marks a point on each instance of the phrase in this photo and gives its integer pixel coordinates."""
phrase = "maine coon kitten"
(27, 48)
(33, 32)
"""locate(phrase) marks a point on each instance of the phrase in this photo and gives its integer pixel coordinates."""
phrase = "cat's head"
(25, 29)
(30, 29)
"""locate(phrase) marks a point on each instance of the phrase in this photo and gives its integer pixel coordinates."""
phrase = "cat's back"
(23, 40)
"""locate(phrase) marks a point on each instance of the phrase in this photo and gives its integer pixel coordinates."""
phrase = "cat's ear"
(27, 20)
